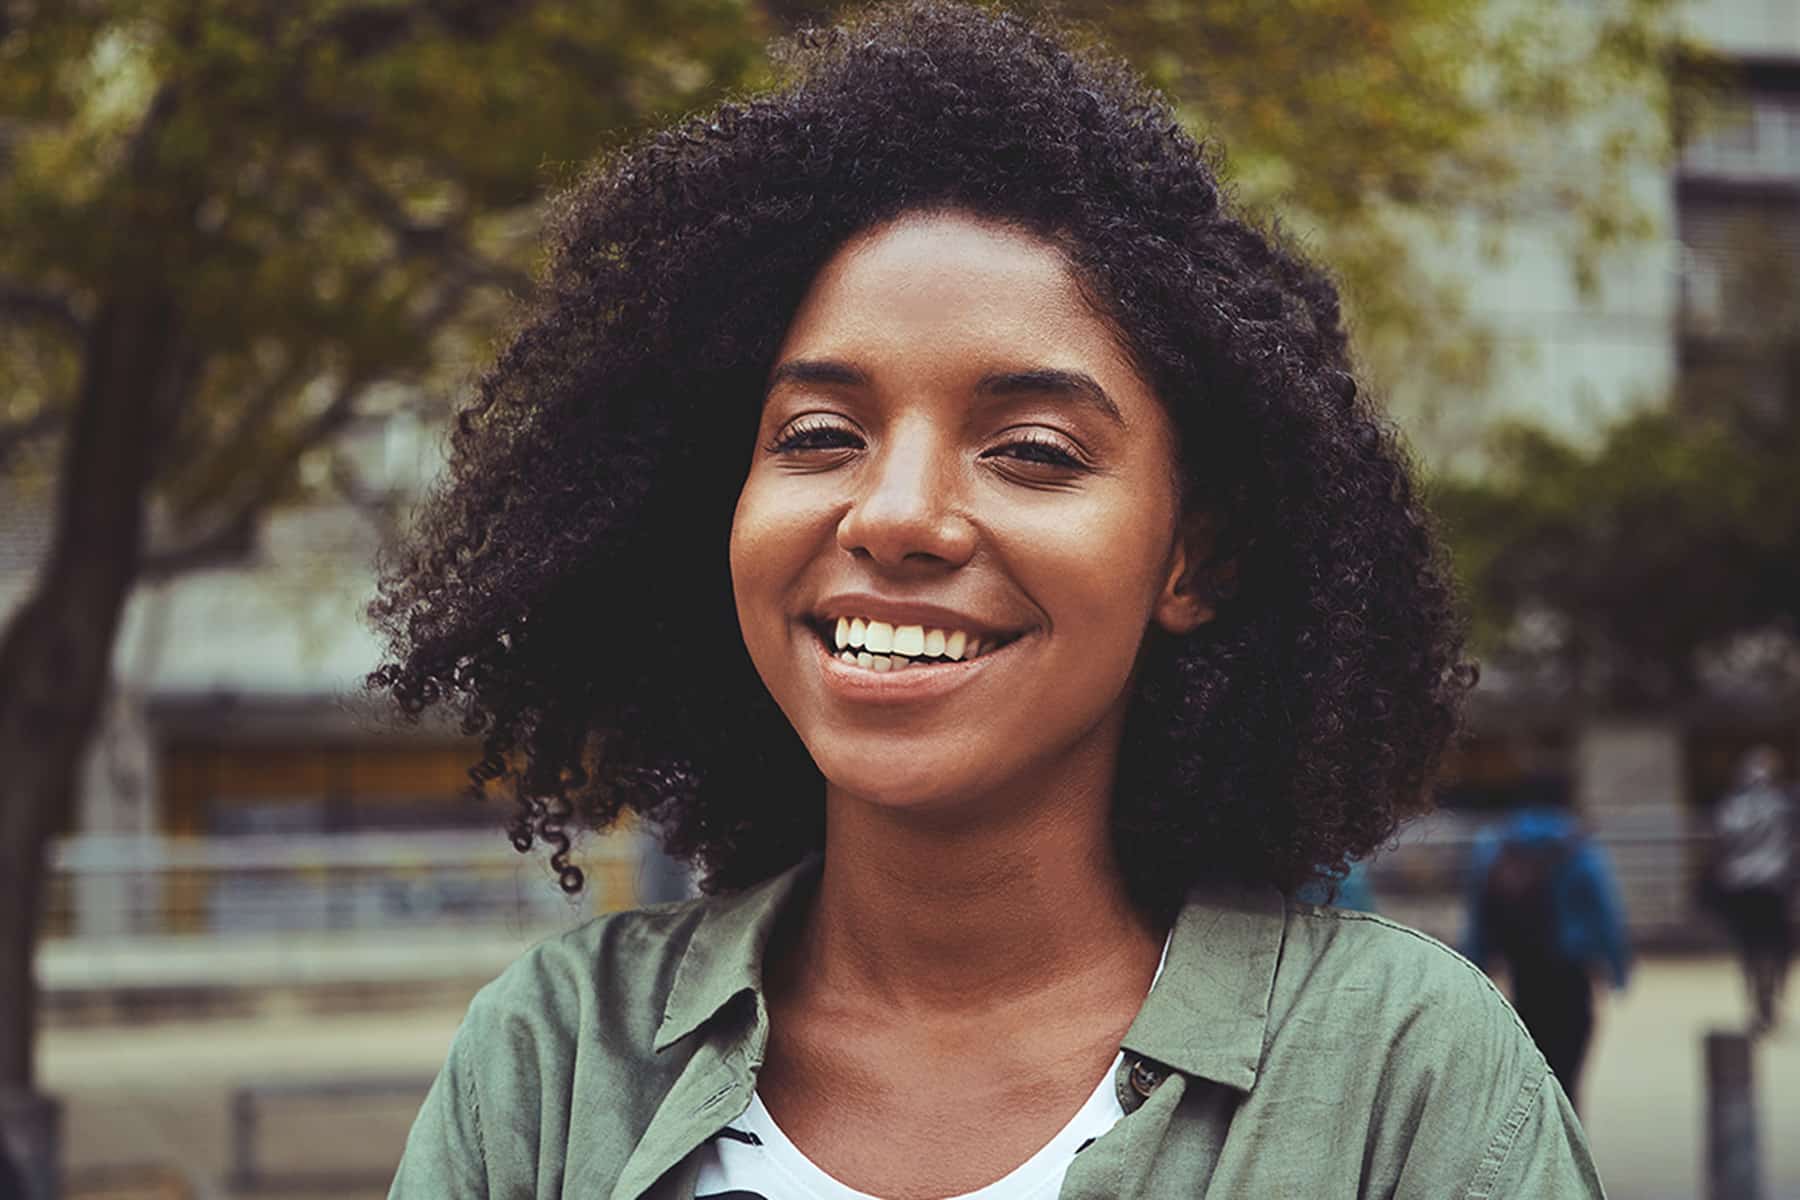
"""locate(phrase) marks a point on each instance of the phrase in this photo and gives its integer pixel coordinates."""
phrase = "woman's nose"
(907, 506)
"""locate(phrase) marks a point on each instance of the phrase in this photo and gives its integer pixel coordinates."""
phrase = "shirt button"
(1144, 1077)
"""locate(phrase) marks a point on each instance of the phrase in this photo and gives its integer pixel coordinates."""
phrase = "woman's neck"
(928, 913)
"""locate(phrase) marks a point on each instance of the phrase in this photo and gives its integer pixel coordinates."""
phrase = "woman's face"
(959, 522)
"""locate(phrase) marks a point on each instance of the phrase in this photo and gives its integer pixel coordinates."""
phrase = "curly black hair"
(567, 589)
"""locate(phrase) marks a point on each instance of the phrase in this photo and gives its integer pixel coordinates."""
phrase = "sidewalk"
(1644, 1102)
(161, 1093)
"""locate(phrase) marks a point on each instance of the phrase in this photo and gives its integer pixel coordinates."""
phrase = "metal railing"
(1434, 859)
(253, 1103)
(110, 886)
(1658, 865)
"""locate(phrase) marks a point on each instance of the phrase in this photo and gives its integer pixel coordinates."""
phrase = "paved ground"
(1644, 1092)
(162, 1094)
(159, 1094)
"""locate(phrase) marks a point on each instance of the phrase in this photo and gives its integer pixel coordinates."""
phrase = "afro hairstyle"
(566, 592)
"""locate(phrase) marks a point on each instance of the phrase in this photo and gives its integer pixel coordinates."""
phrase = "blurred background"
(252, 251)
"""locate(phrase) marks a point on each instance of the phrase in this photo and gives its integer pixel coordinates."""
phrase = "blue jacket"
(1590, 918)
(1353, 892)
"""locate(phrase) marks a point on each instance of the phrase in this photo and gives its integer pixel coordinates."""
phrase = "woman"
(916, 493)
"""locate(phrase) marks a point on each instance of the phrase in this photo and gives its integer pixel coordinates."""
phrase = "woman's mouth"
(881, 646)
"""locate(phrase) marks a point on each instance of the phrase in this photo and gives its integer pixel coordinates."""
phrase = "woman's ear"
(1196, 581)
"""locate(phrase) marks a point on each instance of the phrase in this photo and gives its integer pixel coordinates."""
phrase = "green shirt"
(1287, 1050)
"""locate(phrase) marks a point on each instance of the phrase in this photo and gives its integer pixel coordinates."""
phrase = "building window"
(1738, 220)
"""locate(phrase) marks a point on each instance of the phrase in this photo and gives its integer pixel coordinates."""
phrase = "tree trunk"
(56, 655)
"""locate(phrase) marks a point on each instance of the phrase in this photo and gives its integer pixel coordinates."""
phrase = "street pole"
(30, 1144)
(1731, 1166)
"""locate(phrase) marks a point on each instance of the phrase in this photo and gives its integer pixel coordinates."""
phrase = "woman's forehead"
(944, 287)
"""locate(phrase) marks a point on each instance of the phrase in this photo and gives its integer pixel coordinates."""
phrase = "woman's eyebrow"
(1041, 381)
(1052, 381)
(817, 370)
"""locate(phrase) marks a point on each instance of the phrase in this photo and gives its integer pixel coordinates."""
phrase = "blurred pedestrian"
(1753, 875)
(1542, 897)
(1353, 891)
(661, 878)
(12, 1180)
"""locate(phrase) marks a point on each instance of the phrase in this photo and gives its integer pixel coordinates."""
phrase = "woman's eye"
(814, 435)
(1038, 451)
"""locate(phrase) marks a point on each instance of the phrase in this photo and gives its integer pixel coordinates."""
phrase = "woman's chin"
(905, 783)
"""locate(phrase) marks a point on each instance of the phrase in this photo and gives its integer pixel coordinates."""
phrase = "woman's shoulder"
(1370, 994)
(1424, 1045)
(571, 1027)
(641, 979)
(1318, 963)
(609, 976)
(1393, 1059)
(1373, 941)
(1385, 976)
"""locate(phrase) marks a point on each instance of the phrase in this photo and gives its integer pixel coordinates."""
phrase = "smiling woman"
(921, 497)
(954, 443)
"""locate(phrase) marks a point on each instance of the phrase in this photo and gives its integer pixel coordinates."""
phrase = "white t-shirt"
(752, 1159)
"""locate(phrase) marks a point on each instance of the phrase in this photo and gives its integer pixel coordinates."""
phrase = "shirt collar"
(724, 957)
(1208, 1014)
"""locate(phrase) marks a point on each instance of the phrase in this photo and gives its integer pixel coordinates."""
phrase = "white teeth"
(868, 643)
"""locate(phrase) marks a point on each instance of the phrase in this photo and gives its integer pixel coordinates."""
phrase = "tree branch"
(380, 507)
(231, 536)
(140, 156)
(35, 305)
(444, 240)
(363, 31)
(485, 272)
(227, 541)
(256, 412)
(14, 437)
(414, 237)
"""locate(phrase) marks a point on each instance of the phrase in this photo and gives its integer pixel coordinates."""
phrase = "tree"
(227, 227)
(1621, 574)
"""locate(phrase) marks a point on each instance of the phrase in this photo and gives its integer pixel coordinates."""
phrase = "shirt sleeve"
(444, 1154)
(1539, 1153)
(1472, 1111)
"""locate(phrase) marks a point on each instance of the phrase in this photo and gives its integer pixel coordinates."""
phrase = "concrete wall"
(1749, 28)
(1631, 780)
(118, 796)
(1572, 359)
